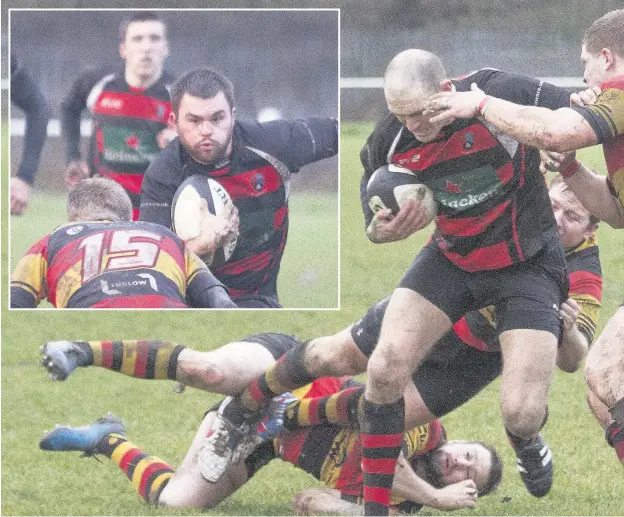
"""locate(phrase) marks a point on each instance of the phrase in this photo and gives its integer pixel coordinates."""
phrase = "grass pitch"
(588, 478)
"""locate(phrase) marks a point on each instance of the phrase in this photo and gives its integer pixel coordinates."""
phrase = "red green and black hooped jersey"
(332, 453)
(606, 117)
(111, 265)
(257, 178)
(478, 328)
(493, 206)
(126, 122)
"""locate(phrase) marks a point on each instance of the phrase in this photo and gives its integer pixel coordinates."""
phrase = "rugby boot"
(85, 438)
(272, 424)
(61, 358)
(223, 439)
(535, 464)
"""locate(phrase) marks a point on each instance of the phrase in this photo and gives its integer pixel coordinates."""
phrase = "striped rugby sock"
(287, 374)
(381, 436)
(342, 408)
(140, 359)
(148, 474)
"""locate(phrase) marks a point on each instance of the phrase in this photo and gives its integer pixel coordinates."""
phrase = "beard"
(218, 152)
(431, 464)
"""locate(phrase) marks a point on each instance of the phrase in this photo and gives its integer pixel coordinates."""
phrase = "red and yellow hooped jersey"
(105, 265)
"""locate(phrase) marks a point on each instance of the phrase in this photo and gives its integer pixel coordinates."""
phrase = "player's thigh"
(604, 368)
(451, 375)
(431, 295)
(335, 355)
(188, 489)
(410, 327)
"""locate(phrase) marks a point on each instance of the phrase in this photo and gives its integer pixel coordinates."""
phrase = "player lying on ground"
(102, 259)
(447, 378)
(453, 372)
(568, 129)
(433, 472)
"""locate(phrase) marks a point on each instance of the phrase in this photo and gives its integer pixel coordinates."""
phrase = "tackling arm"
(558, 130)
(451, 497)
(594, 194)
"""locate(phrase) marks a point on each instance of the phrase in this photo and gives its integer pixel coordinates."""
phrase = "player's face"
(572, 217)
(458, 460)
(595, 67)
(409, 108)
(145, 48)
(205, 127)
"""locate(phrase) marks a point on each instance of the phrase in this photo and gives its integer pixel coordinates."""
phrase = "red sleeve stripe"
(464, 333)
(470, 226)
(584, 282)
(381, 441)
(435, 434)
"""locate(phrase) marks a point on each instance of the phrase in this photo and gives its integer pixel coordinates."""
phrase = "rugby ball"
(391, 185)
(186, 213)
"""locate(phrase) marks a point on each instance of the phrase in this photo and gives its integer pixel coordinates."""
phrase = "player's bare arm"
(559, 130)
(385, 227)
(590, 188)
(574, 344)
(451, 497)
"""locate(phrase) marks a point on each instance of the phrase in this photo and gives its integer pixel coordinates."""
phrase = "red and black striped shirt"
(493, 205)
(126, 122)
(257, 178)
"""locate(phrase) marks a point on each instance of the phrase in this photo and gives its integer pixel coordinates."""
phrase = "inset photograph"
(174, 158)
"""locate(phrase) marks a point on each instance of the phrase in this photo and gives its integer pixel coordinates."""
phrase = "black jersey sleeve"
(519, 89)
(206, 291)
(160, 182)
(72, 107)
(298, 142)
(26, 95)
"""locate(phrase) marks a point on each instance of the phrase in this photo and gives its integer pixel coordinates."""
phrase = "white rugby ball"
(391, 185)
(186, 212)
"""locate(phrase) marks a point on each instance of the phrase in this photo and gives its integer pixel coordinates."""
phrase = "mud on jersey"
(606, 117)
(478, 328)
(493, 206)
(257, 178)
(105, 264)
(126, 122)
(333, 454)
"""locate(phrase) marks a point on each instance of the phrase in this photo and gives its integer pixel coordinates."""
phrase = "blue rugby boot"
(85, 438)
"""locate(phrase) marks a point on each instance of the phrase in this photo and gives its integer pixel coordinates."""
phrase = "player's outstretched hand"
(458, 495)
(20, 195)
(555, 162)
(75, 171)
(447, 106)
(386, 227)
(585, 97)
